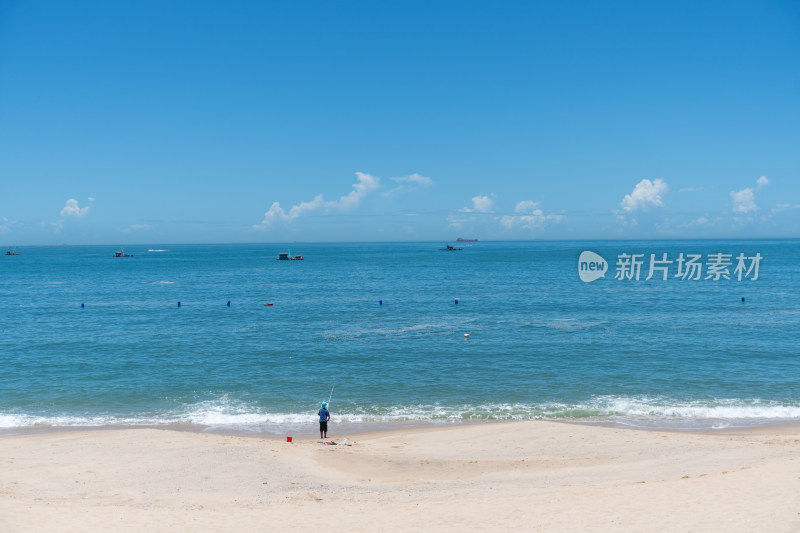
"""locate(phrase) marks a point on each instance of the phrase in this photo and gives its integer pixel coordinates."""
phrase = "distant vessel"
(122, 254)
(450, 248)
(286, 256)
(12, 252)
(466, 240)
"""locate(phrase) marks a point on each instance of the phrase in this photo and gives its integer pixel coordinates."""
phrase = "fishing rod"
(331, 396)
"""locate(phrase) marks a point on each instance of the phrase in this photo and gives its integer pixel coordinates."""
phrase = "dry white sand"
(527, 476)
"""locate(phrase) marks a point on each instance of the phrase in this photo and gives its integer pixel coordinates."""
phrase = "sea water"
(399, 333)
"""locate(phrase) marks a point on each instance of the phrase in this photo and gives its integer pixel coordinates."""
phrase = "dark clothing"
(323, 426)
(324, 415)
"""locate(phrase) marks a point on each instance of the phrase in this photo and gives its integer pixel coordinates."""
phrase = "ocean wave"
(717, 408)
(8, 421)
(358, 332)
(225, 413)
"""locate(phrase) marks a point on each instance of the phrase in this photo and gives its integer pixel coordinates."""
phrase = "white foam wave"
(357, 332)
(225, 413)
(45, 421)
(162, 283)
(698, 409)
(154, 250)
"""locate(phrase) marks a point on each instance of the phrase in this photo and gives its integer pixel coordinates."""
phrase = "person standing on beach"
(324, 416)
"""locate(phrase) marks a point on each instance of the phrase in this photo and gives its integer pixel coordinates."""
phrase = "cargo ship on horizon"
(466, 240)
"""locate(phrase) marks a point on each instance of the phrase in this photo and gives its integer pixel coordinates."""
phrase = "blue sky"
(170, 122)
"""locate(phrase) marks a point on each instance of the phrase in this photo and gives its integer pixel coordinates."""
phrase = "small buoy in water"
(742, 299)
(269, 304)
(229, 303)
(179, 304)
(380, 302)
(466, 336)
(82, 306)
(456, 300)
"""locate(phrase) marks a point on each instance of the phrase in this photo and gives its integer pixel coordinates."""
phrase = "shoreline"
(517, 476)
(361, 428)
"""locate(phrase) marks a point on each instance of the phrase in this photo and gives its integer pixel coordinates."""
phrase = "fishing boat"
(122, 254)
(287, 256)
(12, 252)
(450, 248)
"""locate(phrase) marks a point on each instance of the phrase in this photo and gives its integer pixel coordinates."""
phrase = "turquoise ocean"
(380, 328)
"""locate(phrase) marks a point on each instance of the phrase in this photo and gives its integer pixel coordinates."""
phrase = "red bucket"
(288, 439)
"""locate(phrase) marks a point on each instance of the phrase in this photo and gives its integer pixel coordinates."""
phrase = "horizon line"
(282, 243)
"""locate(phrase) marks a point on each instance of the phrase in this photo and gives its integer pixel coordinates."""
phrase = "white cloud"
(365, 185)
(480, 204)
(276, 212)
(456, 221)
(783, 207)
(744, 201)
(410, 183)
(71, 209)
(362, 188)
(529, 216)
(700, 221)
(626, 221)
(415, 178)
(644, 194)
(526, 206)
(534, 220)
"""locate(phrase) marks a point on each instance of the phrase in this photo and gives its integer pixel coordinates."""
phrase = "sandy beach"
(526, 476)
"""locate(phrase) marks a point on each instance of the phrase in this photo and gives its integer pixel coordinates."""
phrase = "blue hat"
(324, 405)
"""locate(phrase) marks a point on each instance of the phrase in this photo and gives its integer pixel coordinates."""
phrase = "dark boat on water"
(122, 254)
(286, 256)
(450, 248)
